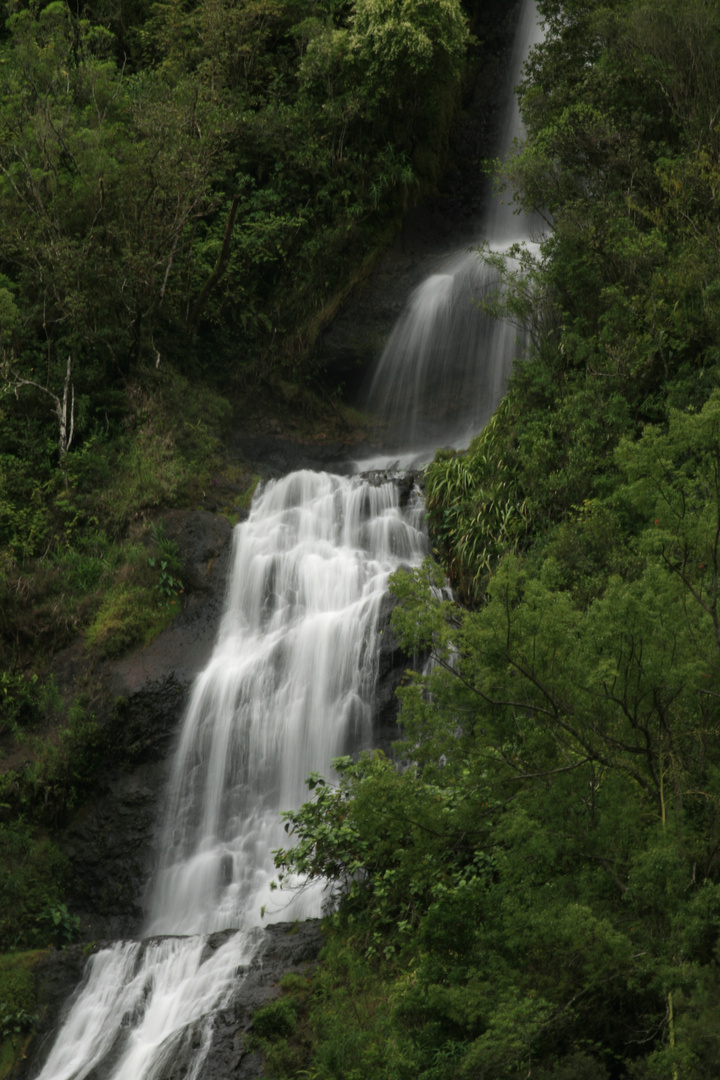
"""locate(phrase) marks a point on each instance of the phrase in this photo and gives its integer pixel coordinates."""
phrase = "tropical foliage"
(536, 893)
(186, 191)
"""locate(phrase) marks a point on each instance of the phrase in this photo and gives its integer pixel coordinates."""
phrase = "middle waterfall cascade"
(290, 684)
(289, 687)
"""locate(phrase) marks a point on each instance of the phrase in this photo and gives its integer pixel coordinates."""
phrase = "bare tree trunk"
(65, 438)
(64, 407)
(219, 268)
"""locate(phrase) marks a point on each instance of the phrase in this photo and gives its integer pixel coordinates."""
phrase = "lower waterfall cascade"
(289, 686)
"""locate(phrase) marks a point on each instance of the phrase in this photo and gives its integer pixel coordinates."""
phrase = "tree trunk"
(218, 270)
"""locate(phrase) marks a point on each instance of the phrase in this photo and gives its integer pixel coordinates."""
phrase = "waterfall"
(289, 686)
(445, 366)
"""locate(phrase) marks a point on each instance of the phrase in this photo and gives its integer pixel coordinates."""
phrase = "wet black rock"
(138, 702)
(201, 538)
(109, 845)
(289, 948)
(286, 948)
(273, 456)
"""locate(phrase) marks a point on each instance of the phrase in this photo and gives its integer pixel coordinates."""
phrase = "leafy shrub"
(278, 1018)
(17, 1005)
(25, 701)
(34, 874)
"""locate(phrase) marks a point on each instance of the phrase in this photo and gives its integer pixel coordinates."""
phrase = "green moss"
(276, 1019)
(246, 498)
(33, 872)
(18, 1005)
(17, 981)
(8, 1057)
(129, 614)
(142, 600)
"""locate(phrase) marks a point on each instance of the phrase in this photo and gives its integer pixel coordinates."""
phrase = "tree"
(101, 178)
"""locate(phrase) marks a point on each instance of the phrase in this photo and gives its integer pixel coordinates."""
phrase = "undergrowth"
(18, 1005)
(77, 559)
(333, 1023)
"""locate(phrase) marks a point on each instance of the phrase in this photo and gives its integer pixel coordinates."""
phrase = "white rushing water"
(141, 1009)
(445, 366)
(289, 686)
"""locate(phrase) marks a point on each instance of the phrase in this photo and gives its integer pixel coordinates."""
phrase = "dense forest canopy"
(538, 893)
(187, 190)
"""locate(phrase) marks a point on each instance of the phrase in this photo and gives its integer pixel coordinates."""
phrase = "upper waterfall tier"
(445, 365)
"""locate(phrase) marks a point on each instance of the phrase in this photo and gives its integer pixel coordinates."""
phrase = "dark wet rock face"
(392, 664)
(141, 701)
(273, 455)
(285, 948)
(181, 651)
(110, 848)
(201, 538)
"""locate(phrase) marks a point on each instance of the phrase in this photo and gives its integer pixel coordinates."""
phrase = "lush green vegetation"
(538, 893)
(187, 191)
(17, 1005)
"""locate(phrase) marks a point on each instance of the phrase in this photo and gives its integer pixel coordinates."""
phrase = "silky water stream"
(289, 686)
(445, 364)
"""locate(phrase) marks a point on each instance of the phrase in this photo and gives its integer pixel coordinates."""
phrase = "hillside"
(537, 894)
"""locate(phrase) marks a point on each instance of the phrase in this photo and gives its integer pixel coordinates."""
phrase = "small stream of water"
(289, 686)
